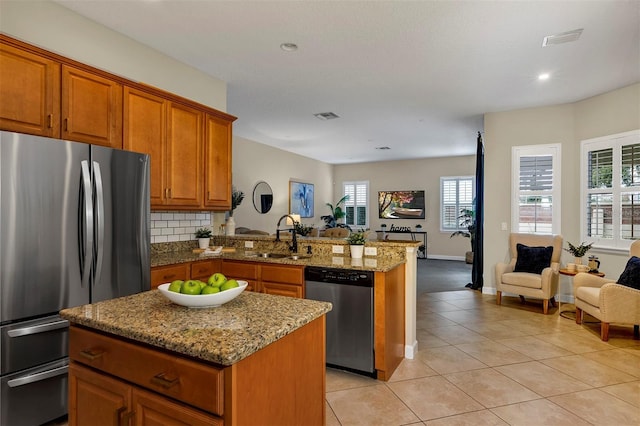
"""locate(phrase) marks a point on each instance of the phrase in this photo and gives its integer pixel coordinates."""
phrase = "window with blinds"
(536, 196)
(356, 206)
(611, 178)
(456, 195)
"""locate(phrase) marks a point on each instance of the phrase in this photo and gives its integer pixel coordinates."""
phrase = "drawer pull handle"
(161, 381)
(91, 355)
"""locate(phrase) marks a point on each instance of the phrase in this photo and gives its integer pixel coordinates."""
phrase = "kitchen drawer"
(166, 274)
(240, 270)
(174, 376)
(283, 274)
(204, 269)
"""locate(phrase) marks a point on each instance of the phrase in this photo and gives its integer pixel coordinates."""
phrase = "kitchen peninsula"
(259, 359)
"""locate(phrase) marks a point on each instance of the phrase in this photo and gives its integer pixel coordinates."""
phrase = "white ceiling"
(414, 76)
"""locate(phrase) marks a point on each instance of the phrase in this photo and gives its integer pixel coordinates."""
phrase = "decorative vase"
(578, 261)
(230, 227)
(356, 252)
(203, 243)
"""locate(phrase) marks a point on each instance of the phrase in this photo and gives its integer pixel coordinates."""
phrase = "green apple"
(190, 287)
(229, 284)
(217, 279)
(210, 290)
(175, 286)
(202, 284)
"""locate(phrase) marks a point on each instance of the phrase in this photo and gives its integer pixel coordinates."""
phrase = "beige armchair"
(336, 233)
(542, 285)
(607, 301)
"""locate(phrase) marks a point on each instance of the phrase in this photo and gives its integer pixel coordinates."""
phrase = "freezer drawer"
(34, 396)
(30, 343)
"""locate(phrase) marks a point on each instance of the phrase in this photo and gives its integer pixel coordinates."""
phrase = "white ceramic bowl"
(202, 300)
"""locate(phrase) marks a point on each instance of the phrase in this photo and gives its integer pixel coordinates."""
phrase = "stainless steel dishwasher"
(350, 322)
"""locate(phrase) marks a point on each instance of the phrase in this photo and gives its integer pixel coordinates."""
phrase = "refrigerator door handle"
(40, 328)
(86, 224)
(99, 221)
(37, 377)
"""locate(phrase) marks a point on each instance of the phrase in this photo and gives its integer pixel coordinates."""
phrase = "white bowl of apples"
(217, 291)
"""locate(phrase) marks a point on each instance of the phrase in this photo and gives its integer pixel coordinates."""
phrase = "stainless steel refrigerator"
(74, 229)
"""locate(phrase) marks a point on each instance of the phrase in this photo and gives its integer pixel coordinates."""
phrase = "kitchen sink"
(273, 255)
(299, 256)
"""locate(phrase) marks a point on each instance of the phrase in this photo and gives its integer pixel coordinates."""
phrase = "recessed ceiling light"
(326, 115)
(289, 47)
(562, 37)
(544, 76)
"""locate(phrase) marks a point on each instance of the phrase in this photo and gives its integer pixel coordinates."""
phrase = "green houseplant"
(204, 237)
(331, 220)
(467, 219)
(356, 242)
(578, 251)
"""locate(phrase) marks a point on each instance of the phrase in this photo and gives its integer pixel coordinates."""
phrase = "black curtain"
(476, 273)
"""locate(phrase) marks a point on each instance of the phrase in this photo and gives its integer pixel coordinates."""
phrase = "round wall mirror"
(262, 197)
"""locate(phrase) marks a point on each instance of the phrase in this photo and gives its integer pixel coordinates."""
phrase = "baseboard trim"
(410, 350)
(444, 257)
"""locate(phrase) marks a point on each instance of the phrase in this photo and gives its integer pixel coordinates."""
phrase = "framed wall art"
(301, 198)
(401, 204)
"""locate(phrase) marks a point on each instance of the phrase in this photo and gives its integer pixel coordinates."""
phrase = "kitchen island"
(259, 359)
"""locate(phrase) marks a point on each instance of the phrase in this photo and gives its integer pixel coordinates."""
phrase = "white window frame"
(615, 142)
(354, 203)
(457, 179)
(554, 150)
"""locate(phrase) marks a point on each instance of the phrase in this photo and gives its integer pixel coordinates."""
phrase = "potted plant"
(578, 251)
(356, 242)
(467, 219)
(204, 237)
(331, 220)
(236, 199)
(302, 229)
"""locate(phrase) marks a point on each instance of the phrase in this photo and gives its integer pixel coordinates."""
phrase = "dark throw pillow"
(631, 274)
(532, 259)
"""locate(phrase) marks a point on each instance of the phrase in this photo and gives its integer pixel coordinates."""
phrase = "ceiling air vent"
(562, 38)
(326, 116)
(382, 148)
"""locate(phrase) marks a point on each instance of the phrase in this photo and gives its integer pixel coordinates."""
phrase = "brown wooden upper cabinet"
(91, 108)
(171, 134)
(217, 167)
(29, 93)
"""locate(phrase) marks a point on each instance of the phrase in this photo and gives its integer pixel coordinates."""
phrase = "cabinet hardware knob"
(91, 354)
(66, 124)
(50, 121)
(160, 380)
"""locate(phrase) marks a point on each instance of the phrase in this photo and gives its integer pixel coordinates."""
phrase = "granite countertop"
(379, 263)
(223, 335)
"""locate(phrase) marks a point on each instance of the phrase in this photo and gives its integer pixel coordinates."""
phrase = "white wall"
(52, 27)
(420, 174)
(254, 162)
(613, 112)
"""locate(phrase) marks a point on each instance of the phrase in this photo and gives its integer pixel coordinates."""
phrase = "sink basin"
(273, 255)
(300, 256)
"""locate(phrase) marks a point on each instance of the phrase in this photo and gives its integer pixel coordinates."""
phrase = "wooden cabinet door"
(145, 131)
(280, 289)
(217, 166)
(95, 398)
(184, 156)
(29, 93)
(91, 108)
(152, 409)
(203, 269)
(166, 274)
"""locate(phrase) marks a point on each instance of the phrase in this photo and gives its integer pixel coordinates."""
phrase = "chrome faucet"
(294, 243)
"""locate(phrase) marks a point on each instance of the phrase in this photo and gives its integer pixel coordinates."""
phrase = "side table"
(564, 271)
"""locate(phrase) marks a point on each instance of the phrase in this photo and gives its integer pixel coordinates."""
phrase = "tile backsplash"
(169, 226)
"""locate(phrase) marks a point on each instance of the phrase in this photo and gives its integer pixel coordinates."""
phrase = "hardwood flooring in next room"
(483, 364)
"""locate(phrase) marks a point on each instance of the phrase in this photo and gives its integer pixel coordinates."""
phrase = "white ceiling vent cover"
(326, 115)
(562, 38)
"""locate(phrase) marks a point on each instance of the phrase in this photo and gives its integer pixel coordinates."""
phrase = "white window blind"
(536, 196)
(356, 207)
(456, 194)
(610, 176)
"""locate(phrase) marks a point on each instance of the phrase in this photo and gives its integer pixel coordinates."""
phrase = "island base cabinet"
(96, 399)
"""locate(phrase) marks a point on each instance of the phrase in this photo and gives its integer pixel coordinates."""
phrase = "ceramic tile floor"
(483, 364)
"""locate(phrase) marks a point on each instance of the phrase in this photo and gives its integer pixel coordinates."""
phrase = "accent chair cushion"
(532, 259)
(631, 274)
